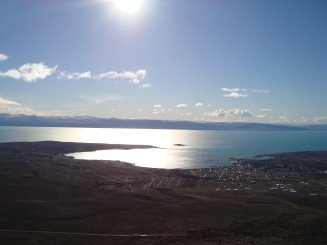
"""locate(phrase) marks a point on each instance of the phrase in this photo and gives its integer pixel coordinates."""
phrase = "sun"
(128, 6)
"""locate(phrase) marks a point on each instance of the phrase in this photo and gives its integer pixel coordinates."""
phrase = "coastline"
(44, 190)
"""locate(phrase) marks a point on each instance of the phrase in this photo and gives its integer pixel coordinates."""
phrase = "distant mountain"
(57, 121)
(317, 127)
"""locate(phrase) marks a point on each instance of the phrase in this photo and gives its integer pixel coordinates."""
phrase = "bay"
(200, 148)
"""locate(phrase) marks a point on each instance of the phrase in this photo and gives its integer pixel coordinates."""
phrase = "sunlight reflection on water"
(159, 158)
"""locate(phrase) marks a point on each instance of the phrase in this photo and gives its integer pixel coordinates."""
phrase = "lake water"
(202, 148)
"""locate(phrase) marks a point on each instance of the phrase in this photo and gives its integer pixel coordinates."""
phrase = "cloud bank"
(31, 72)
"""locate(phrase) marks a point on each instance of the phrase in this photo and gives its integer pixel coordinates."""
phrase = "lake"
(201, 148)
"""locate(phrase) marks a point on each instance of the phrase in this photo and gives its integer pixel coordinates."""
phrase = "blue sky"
(199, 60)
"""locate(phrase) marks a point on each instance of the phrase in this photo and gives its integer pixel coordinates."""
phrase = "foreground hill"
(47, 198)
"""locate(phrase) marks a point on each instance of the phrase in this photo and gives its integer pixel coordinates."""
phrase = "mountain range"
(94, 122)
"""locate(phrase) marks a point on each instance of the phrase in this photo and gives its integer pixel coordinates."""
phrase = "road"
(90, 234)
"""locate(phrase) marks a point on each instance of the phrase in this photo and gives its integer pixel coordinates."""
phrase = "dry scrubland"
(275, 201)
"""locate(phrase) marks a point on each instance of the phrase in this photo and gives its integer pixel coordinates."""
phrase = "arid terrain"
(48, 198)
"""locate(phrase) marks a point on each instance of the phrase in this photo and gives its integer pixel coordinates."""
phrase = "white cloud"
(265, 109)
(236, 95)
(74, 75)
(14, 107)
(189, 114)
(199, 104)
(261, 116)
(321, 119)
(134, 77)
(146, 85)
(230, 89)
(3, 57)
(30, 72)
(181, 105)
(209, 105)
(4, 101)
(231, 113)
(242, 93)
(157, 106)
(18, 110)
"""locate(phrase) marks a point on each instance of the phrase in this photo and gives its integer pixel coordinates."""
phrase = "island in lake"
(49, 198)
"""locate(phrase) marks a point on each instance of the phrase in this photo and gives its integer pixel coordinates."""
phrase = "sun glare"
(128, 6)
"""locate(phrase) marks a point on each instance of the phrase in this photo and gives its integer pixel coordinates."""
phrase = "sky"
(197, 60)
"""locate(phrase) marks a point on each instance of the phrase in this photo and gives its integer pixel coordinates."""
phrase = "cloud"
(236, 95)
(264, 109)
(181, 105)
(18, 110)
(231, 113)
(321, 119)
(261, 116)
(230, 89)
(3, 57)
(30, 72)
(4, 101)
(157, 106)
(14, 107)
(146, 85)
(74, 75)
(199, 104)
(134, 77)
(189, 114)
(242, 92)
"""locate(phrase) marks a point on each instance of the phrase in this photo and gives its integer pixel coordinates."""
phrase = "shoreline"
(61, 147)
